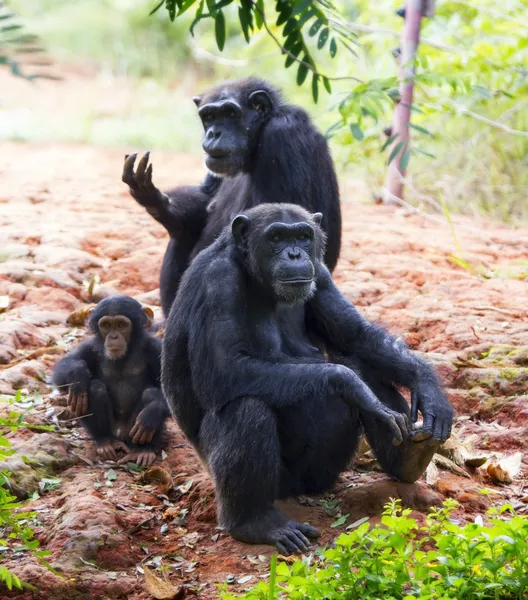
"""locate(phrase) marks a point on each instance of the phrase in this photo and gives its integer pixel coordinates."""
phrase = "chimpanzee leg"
(143, 449)
(408, 461)
(241, 446)
(338, 429)
(100, 412)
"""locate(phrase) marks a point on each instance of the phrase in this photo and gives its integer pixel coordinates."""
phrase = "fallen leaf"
(245, 579)
(159, 477)
(447, 463)
(431, 474)
(111, 475)
(505, 469)
(160, 589)
(78, 317)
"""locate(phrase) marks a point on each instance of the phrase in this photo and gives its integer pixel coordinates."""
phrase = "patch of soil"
(395, 266)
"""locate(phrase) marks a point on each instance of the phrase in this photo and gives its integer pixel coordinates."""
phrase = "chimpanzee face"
(282, 254)
(232, 120)
(116, 332)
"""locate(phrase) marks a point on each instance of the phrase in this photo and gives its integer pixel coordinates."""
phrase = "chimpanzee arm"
(183, 211)
(157, 403)
(224, 368)
(75, 372)
(344, 329)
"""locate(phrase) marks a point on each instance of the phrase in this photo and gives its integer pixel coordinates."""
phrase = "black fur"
(281, 157)
(273, 392)
(118, 389)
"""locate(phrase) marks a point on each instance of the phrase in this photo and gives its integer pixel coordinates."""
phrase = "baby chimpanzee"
(113, 381)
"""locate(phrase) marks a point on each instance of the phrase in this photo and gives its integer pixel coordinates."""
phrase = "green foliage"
(18, 49)
(16, 534)
(401, 560)
(296, 22)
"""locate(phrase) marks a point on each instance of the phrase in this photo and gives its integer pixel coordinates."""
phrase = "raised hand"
(141, 186)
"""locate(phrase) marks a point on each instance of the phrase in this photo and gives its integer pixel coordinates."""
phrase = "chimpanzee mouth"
(222, 164)
(295, 281)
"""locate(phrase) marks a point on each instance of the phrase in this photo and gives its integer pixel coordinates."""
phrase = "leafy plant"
(16, 533)
(18, 50)
(401, 560)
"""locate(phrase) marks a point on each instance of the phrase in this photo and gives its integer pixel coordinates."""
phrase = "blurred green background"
(128, 80)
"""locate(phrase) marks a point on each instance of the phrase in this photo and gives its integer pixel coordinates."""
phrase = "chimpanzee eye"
(232, 114)
(121, 326)
(275, 238)
(303, 237)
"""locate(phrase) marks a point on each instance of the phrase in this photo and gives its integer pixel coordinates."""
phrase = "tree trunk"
(414, 9)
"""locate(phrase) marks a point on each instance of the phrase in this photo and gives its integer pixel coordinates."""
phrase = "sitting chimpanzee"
(113, 381)
(259, 149)
(272, 375)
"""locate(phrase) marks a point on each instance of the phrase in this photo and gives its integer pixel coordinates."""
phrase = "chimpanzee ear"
(197, 100)
(239, 228)
(150, 315)
(317, 217)
(260, 101)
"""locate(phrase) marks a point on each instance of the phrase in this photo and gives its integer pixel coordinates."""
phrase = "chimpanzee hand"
(140, 183)
(145, 426)
(430, 400)
(78, 391)
(144, 458)
(108, 449)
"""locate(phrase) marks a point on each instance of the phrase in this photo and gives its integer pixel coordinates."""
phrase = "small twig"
(503, 311)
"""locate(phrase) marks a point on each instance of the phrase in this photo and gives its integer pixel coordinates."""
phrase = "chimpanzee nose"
(214, 134)
(293, 254)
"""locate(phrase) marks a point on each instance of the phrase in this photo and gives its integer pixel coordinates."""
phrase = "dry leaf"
(431, 474)
(505, 469)
(78, 317)
(160, 589)
(446, 463)
(159, 477)
(461, 453)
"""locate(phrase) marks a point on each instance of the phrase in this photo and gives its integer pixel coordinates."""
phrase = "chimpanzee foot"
(274, 528)
(141, 186)
(417, 453)
(143, 458)
(108, 449)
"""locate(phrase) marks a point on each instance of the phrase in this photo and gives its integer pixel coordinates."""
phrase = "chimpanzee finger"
(134, 429)
(396, 433)
(446, 430)
(128, 170)
(142, 165)
(414, 406)
(437, 429)
(149, 435)
(144, 436)
(282, 549)
(428, 423)
(289, 547)
(121, 446)
(300, 540)
(130, 457)
(308, 530)
(148, 174)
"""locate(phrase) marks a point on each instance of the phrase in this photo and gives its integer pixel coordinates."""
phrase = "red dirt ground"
(65, 215)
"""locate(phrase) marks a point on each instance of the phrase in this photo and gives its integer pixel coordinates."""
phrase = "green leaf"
(290, 27)
(421, 129)
(323, 38)
(220, 30)
(259, 13)
(389, 141)
(341, 521)
(357, 132)
(396, 150)
(301, 6)
(333, 47)
(244, 15)
(111, 475)
(307, 16)
(185, 6)
(315, 27)
(302, 72)
(156, 8)
(284, 15)
(404, 162)
(326, 83)
(315, 87)
(10, 28)
(294, 53)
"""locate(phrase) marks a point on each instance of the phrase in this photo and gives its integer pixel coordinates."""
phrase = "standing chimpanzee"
(258, 149)
(113, 381)
(246, 375)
